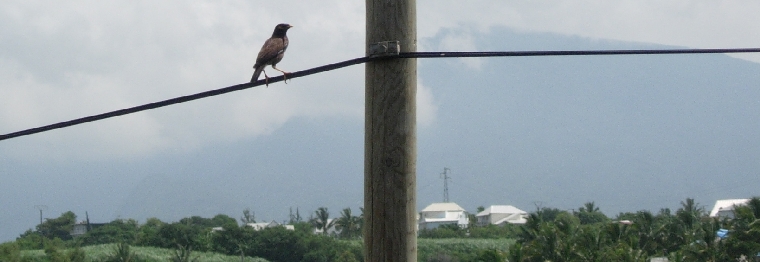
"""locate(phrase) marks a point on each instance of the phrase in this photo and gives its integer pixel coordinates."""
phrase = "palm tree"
(706, 247)
(589, 242)
(589, 207)
(322, 220)
(744, 230)
(689, 213)
(589, 214)
(248, 217)
(531, 230)
(754, 205)
(646, 231)
(347, 224)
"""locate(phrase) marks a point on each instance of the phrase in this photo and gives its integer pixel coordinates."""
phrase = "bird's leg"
(266, 77)
(284, 74)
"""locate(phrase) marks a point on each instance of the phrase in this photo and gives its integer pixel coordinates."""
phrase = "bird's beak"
(289, 26)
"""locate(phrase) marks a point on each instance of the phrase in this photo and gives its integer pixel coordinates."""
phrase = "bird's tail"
(256, 74)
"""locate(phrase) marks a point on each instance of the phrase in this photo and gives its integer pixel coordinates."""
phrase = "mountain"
(628, 132)
(306, 164)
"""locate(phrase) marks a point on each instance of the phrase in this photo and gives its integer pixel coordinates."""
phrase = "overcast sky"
(64, 60)
(70, 59)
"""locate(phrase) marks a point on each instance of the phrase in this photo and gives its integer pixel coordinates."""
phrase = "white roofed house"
(261, 226)
(264, 225)
(501, 214)
(438, 214)
(725, 207)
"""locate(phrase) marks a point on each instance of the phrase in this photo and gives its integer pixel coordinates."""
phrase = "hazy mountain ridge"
(642, 131)
(629, 132)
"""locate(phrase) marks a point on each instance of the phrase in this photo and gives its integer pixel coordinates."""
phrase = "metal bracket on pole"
(384, 49)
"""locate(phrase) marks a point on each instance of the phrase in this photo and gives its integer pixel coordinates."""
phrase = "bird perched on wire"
(272, 52)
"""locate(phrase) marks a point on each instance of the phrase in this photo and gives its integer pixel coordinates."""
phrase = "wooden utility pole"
(390, 149)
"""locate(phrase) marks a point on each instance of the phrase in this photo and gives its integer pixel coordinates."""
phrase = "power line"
(578, 53)
(361, 60)
(181, 99)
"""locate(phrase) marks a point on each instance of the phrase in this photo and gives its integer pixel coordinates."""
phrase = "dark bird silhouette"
(272, 52)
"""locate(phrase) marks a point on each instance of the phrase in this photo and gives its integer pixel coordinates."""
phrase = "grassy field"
(102, 252)
(427, 248)
(455, 246)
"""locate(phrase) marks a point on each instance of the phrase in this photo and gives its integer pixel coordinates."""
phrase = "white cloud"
(426, 106)
(461, 41)
(65, 60)
(690, 23)
(28, 103)
(68, 60)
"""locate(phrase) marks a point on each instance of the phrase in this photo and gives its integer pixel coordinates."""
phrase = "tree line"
(196, 234)
(688, 234)
(550, 234)
(587, 234)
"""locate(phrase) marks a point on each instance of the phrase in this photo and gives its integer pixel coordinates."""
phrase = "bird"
(272, 53)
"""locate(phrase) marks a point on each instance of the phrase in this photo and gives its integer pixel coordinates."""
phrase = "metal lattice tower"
(446, 177)
(41, 207)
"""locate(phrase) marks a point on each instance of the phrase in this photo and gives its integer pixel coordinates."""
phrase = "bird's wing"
(271, 49)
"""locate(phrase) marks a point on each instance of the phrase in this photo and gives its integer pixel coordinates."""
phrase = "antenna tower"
(446, 177)
(41, 207)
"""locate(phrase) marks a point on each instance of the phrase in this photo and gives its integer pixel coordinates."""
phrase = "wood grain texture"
(390, 136)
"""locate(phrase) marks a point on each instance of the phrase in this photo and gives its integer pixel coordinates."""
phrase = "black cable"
(361, 60)
(577, 53)
(181, 99)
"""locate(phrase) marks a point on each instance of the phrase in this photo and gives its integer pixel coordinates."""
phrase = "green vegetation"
(322, 220)
(687, 235)
(108, 252)
(550, 234)
(348, 225)
(489, 231)
(461, 249)
(188, 240)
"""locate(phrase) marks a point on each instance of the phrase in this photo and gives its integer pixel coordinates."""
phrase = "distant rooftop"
(448, 206)
(501, 209)
(726, 205)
